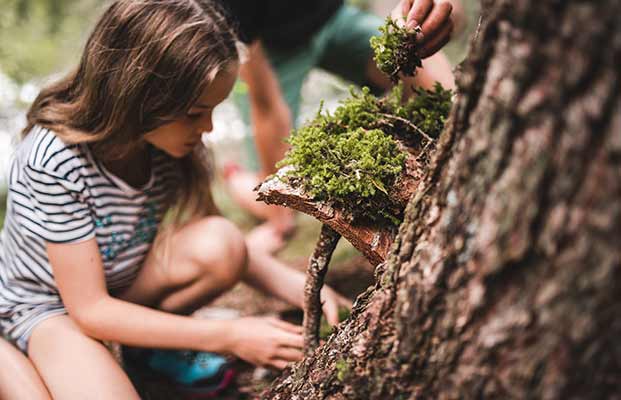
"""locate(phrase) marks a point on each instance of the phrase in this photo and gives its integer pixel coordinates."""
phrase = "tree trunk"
(505, 278)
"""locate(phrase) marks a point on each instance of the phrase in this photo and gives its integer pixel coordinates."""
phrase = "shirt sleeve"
(59, 211)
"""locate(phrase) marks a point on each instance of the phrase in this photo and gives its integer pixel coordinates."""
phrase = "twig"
(408, 123)
(317, 268)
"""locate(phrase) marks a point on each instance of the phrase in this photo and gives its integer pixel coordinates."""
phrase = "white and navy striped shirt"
(59, 193)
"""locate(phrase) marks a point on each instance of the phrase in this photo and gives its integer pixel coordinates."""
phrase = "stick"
(408, 123)
(317, 268)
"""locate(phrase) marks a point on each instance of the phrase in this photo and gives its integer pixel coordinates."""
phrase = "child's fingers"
(331, 311)
(279, 364)
(406, 5)
(286, 325)
(291, 340)
(418, 12)
(437, 20)
(289, 354)
(431, 47)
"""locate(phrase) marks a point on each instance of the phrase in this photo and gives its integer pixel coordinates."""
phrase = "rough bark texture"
(505, 278)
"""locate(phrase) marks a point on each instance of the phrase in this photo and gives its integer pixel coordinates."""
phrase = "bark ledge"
(371, 240)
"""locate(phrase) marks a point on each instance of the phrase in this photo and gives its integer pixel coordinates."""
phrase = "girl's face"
(179, 137)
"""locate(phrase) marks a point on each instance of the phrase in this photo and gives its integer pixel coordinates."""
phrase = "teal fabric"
(341, 47)
(186, 367)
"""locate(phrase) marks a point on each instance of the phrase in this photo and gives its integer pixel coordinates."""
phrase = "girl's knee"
(74, 365)
(18, 377)
(220, 250)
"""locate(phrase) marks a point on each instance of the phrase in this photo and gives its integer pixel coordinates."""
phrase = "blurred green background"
(40, 39)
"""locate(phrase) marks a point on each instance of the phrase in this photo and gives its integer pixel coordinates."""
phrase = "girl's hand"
(434, 18)
(332, 301)
(266, 341)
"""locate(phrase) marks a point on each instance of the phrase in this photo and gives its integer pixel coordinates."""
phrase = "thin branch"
(317, 268)
(408, 123)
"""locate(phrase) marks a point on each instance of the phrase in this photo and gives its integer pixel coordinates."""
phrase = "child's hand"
(331, 302)
(433, 17)
(266, 341)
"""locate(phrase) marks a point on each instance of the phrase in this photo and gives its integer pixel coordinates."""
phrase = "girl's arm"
(79, 274)
(270, 275)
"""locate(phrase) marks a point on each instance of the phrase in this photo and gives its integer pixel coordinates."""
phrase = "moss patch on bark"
(351, 158)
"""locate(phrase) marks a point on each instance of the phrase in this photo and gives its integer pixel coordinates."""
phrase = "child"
(85, 255)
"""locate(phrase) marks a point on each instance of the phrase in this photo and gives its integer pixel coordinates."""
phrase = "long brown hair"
(144, 65)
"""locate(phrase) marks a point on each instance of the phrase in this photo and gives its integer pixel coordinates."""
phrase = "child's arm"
(270, 275)
(271, 116)
(78, 272)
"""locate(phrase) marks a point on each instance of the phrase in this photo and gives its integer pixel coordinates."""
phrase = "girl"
(85, 255)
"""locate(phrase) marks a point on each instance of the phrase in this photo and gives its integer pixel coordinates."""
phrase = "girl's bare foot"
(282, 219)
(265, 238)
(279, 220)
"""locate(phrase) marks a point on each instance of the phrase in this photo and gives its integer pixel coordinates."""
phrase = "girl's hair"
(144, 65)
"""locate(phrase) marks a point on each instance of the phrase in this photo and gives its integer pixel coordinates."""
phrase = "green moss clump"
(426, 110)
(395, 50)
(349, 167)
(351, 158)
(342, 369)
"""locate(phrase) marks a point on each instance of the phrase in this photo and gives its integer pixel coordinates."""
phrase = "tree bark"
(505, 278)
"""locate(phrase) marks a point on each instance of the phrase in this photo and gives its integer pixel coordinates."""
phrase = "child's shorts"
(18, 321)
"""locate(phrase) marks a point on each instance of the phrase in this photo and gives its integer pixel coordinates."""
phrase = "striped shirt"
(58, 193)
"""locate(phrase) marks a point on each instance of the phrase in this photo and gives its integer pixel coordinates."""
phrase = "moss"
(342, 369)
(395, 50)
(351, 158)
(426, 109)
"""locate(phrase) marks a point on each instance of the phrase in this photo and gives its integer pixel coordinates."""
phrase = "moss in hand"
(396, 50)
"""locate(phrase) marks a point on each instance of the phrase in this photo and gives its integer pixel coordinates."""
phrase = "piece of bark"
(370, 240)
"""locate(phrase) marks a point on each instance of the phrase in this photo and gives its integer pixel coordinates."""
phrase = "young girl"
(85, 255)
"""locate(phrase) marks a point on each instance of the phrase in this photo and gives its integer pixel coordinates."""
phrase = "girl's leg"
(18, 377)
(75, 366)
(202, 260)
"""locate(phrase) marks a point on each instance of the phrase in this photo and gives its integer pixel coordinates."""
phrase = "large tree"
(505, 278)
